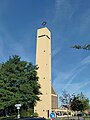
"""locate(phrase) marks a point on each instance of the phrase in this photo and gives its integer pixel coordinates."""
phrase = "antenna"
(44, 23)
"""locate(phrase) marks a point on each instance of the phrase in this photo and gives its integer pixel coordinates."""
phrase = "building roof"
(53, 91)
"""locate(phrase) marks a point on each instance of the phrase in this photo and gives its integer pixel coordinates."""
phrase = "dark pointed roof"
(53, 91)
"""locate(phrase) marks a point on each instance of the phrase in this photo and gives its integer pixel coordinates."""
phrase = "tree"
(18, 83)
(65, 98)
(76, 104)
(86, 47)
(65, 101)
(79, 102)
(84, 100)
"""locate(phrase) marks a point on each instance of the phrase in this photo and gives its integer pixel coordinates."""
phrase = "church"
(49, 98)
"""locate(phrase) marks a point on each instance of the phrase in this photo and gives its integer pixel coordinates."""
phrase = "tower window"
(44, 35)
(44, 50)
(41, 36)
(47, 37)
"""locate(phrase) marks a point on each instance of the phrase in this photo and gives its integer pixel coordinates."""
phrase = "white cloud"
(56, 51)
(71, 74)
(72, 87)
(85, 61)
(9, 46)
(82, 85)
(63, 9)
(84, 21)
(58, 4)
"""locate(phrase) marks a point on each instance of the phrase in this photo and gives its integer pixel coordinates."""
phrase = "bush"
(35, 114)
(27, 113)
(23, 113)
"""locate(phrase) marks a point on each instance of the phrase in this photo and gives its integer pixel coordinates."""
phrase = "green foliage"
(18, 83)
(79, 102)
(84, 100)
(28, 113)
(76, 104)
(35, 114)
(23, 113)
(86, 47)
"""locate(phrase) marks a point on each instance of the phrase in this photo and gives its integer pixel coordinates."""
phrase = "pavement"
(70, 118)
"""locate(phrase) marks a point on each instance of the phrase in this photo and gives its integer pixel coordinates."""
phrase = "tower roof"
(44, 31)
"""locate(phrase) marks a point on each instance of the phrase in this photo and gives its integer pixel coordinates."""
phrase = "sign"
(18, 108)
(18, 105)
(52, 115)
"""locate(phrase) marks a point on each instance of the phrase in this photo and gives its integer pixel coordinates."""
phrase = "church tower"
(43, 60)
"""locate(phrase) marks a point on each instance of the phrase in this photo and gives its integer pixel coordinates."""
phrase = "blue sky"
(69, 23)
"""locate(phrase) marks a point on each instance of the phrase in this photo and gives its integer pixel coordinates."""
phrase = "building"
(64, 111)
(49, 98)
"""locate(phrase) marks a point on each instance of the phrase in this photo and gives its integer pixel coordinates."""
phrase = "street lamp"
(18, 108)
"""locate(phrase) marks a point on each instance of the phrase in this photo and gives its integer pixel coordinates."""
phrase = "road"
(70, 118)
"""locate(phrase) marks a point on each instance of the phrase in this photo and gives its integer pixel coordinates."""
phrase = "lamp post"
(18, 108)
